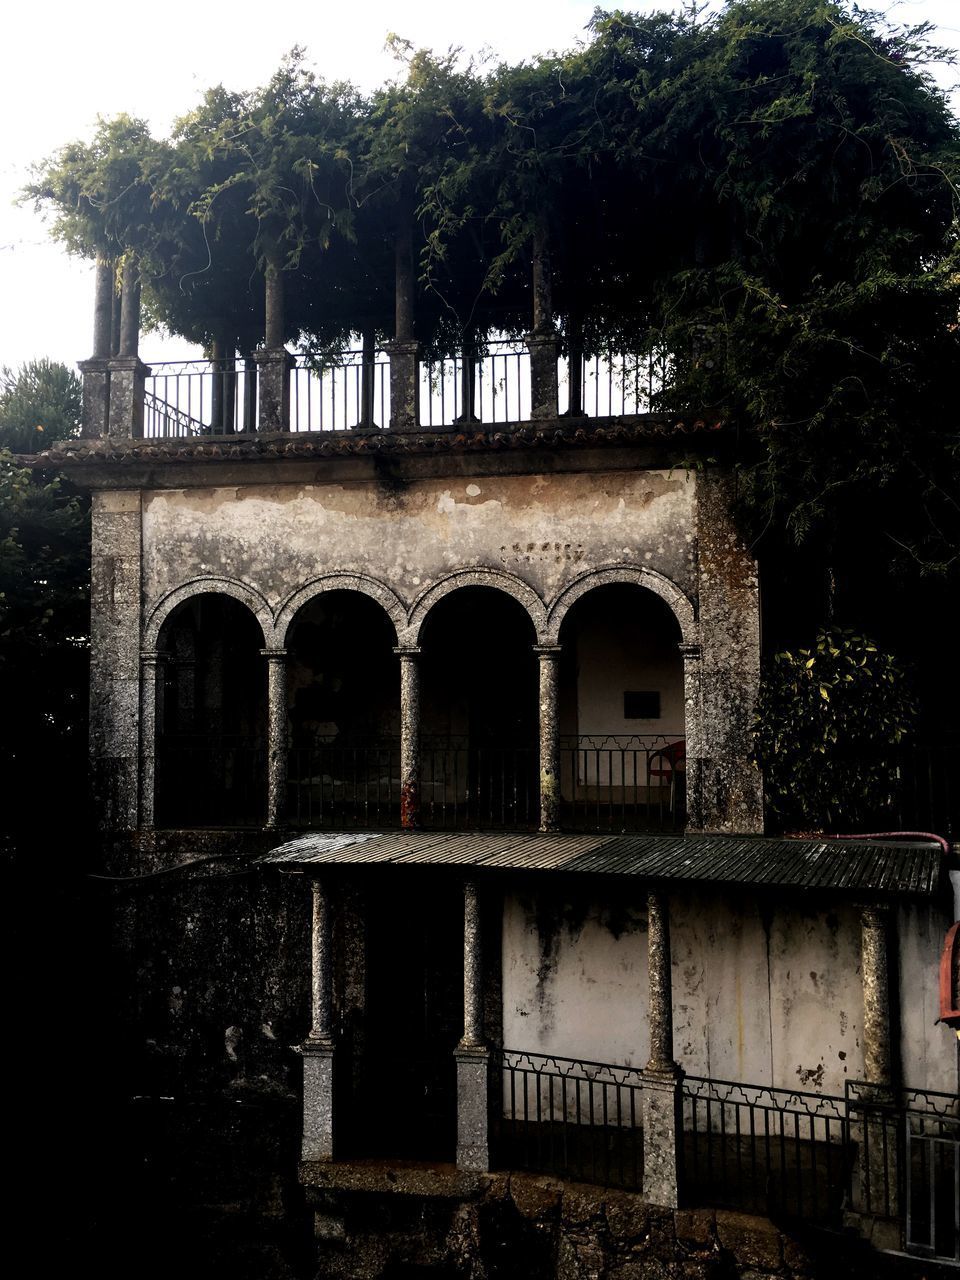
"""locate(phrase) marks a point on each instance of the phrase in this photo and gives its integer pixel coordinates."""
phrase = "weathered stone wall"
(115, 593)
(400, 1223)
(764, 991)
(544, 529)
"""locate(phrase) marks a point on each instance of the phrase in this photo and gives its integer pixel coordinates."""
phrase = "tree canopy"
(769, 195)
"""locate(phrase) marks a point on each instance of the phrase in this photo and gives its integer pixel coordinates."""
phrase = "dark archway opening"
(623, 745)
(211, 716)
(479, 722)
(404, 1095)
(343, 697)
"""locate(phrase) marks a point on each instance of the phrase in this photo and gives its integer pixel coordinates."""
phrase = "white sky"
(63, 64)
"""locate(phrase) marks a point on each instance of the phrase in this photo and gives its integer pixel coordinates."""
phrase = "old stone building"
(476, 669)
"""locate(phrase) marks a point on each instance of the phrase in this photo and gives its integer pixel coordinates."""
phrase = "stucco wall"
(764, 992)
(545, 529)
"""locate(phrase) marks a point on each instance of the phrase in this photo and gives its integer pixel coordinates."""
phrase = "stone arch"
(520, 591)
(253, 600)
(649, 579)
(389, 601)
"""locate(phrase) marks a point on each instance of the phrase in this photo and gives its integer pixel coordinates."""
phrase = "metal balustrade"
(497, 389)
(339, 393)
(618, 782)
(184, 398)
(575, 1119)
(614, 384)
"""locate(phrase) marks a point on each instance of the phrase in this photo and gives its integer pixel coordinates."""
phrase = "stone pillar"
(130, 308)
(276, 735)
(662, 1101)
(404, 350)
(731, 788)
(543, 348)
(542, 341)
(368, 380)
(472, 1055)
(318, 1048)
(128, 375)
(409, 737)
(692, 655)
(96, 370)
(115, 595)
(879, 1124)
(273, 389)
(549, 656)
(274, 361)
(151, 715)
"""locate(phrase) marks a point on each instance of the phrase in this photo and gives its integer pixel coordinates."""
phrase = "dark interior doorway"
(406, 1102)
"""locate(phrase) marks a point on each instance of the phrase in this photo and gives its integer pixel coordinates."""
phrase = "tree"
(39, 402)
(44, 602)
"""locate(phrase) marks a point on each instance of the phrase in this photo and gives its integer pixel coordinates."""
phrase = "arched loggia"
(343, 713)
(211, 716)
(479, 711)
(621, 711)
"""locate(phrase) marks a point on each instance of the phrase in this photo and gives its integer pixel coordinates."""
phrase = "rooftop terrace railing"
(352, 390)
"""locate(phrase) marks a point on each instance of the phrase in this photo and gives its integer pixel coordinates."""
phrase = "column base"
(662, 1107)
(473, 1106)
(317, 1142)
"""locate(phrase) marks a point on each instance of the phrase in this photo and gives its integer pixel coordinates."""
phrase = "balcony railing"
(573, 1119)
(351, 390)
(616, 782)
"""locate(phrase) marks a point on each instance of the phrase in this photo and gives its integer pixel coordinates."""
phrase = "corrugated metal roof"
(801, 864)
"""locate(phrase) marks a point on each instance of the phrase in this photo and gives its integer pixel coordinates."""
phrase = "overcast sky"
(63, 64)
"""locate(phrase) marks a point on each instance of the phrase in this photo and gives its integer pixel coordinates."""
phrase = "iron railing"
(614, 384)
(764, 1150)
(927, 789)
(209, 782)
(467, 786)
(572, 1118)
(330, 785)
(200, 397)
(494, 387)
(909, 1164)
(611, 782)
(337, 393)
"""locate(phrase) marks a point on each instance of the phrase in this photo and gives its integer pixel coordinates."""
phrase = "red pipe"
(886, 835)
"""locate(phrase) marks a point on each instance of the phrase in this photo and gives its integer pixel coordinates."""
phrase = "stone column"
(409, 737)
(276, 735)
(116, 586)
(879, 1126)
(96, 370)
(127, 371)
(274, 361)
(318, 1048)
(695, 750)
(472, 1055)
(151, 714)
(549, 656)
(662, 1101)
(404, 350)
(542, 341)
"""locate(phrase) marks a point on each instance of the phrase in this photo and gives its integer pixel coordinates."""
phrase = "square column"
(273, 388)
(544, 393)
(126, 379)
(318, 1048)
(662, 1100)
(404, 354)
(472, 1056)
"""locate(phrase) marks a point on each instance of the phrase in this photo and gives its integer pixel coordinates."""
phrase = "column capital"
(693, 652)
(274, 655)
(125, 364)
(548, 650)
(96, 364)
(274, 355)
(875, 915)
(407, 650)
(153, 657)
(401, 347)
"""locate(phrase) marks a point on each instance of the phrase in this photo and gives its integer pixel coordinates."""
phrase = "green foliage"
(769, 194)
(829, 721)
(44, 602)
(39, 402)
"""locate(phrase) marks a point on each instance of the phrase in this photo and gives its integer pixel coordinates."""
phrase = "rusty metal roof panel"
(839, 866)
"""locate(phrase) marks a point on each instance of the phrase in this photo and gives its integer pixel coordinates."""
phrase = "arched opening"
(343, 698)
(211, 721)
(621, 712)
(479, 734)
